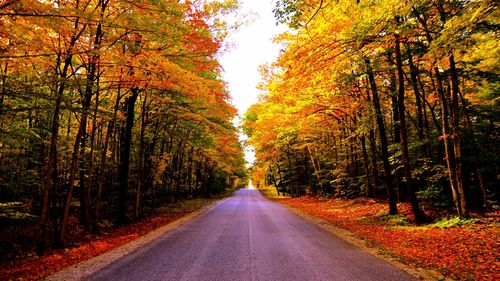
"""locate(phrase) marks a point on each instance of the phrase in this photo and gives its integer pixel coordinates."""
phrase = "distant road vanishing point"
(249, 237)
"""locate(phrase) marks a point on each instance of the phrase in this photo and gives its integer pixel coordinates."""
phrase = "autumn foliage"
(394, 101)
(108, 109)
(384, 99)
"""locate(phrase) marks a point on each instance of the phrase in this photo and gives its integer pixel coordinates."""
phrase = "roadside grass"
(26, 265)
(270, 192)
(462, 249)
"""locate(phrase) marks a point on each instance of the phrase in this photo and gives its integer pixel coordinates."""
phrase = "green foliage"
(16, 213)
(288, 12)
(394, 220)
(450, 222)
(433, 190)
(18, 183)
(270, 192)
(344, 185)
(435, 196)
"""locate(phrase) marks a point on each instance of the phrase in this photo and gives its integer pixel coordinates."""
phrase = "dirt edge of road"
(421, 273)
(90, 266)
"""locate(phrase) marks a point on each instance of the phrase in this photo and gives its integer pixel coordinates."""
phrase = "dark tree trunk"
(449, 154)
(418, 100)
(281, 178)
(51, 175)
(103, 163)
(402, 194)
(373, 158)
(456, 135)
(383, 140)
(138, 191)
(271, 175)
(3, 92)
(79, 139)
(317, 169)
(405, 157)
(369, 189)
(125, 144)
(477, 155)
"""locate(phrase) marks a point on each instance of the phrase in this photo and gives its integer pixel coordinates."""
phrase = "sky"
(252, 46)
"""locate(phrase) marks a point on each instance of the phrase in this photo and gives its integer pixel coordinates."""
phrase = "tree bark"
(477, 155)
(418, 100)
(138, 191)
(396, 126)
(125, 144)
(103, 163)
(316, 167)
(369, 191)
(274, 180)
(455, 121)
(405, 157)
(383, 139)
(51, 176)
(79, 139)
(449, 154)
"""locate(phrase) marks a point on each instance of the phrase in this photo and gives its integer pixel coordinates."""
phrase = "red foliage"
(34, 268)
(464, 252)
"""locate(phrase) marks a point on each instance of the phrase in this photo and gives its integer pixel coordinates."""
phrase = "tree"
(354, 66)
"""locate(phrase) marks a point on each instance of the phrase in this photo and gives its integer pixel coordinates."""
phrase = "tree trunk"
(293, 185)
(3, 72)
(104, 157)
(274, 180)
(402, 194)
(477, 155)
(90, 221)
(125, 144)
(280, 178)
(84, 187)
(455, 122)
(405, 157)
(51, 175)
(449, 154)
(369, 190)
(373, 151)
(138, 191)
(383, 140)
(418, 100)
(317, 169)
(79, 139)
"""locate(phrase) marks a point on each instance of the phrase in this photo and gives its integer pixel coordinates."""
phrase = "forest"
(393, 100)
(379, 117)
(107, 110)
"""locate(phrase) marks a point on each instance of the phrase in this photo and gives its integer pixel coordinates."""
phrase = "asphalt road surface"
(249, 237)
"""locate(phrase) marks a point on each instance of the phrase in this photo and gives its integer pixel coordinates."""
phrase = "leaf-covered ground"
(461, 249)
(32, 267)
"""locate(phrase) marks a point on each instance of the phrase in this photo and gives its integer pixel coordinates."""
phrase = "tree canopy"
(114, 105)
(388, 99)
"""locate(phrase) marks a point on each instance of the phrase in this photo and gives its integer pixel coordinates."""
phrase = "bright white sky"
(252, 47)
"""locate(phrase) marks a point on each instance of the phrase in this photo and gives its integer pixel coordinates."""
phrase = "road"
(248, 237)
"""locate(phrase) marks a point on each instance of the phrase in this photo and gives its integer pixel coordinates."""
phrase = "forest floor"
(463, 249)
(22, 263)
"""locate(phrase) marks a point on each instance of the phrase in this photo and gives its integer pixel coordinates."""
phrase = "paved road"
(248, 237)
